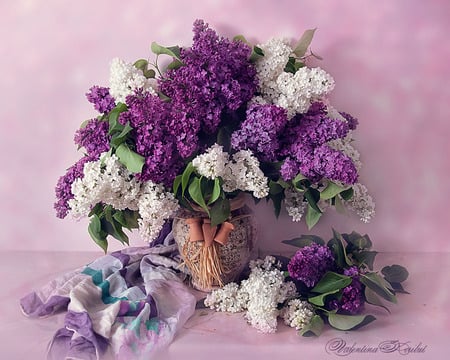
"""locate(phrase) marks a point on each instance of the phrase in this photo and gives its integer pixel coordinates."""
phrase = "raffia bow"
(200, 229)
(206, 265)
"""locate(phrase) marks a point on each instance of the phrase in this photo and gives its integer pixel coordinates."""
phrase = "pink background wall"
(389, 59)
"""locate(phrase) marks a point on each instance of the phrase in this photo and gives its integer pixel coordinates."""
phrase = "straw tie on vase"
(206, 265)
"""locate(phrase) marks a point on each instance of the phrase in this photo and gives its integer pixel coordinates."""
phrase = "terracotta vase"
(215, 256)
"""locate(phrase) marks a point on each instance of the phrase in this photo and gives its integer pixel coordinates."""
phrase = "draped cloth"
(129, 303)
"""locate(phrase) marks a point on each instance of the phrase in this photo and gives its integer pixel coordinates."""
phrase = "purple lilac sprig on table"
(310, 263)
(352, 300)
(337, 278)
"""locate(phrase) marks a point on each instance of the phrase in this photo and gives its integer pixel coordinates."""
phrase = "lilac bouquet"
(322, 283)
(222, 118)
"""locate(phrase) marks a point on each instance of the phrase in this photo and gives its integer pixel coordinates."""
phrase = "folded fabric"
(132, 300)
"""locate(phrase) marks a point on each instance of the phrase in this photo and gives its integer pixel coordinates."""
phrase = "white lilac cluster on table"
(224, 117)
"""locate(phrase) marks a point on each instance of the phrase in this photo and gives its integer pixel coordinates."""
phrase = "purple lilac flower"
(352, 301)
(289, 169)
(305, 148)
(63, 188)
(260, 131)
(217, 77)
(310, 263)
(152, 121)
(334, 165)
(351, 121)
(100, 97)
(315, 128)
(93, 137)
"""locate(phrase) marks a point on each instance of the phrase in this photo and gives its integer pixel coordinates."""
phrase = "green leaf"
(241, 38)
(131, 218)
(149, 73)
(331, 281)
(349, 322)
(331, 190)
(118, 139)
(312, 217)
(195, 192)
(339, 206)
(175, 64)
(220, 211)
(365, 257)
(84, 123)
(277, 200)
(119, 217)
(185, 177)
(358, 241)
(313, 196)
(141, 64)
(298, 178)
(374, 299)
(173, 51)
(256, 54)
(337, 245)
(114, 229)
(395, 273)
(290, 66)
(319, 300)
(217, 190)
(304, 240)
(275, 188)
(398, 288)
(314, 328)
(347, 194)
(133, 161)
(176, 184)
(113, 117)
(112, 226)
(164, 97)
(96, 232)
(97, 209)
(380, 286)
(303, 44)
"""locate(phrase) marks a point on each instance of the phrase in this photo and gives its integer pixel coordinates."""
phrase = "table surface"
(420, 322)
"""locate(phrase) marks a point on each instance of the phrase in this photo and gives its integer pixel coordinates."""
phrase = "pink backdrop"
(389, 59)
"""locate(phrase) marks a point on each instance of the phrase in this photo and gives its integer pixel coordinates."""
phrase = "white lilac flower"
(125, 78)
(228, 298)
(211, 164)
(297, 313)
(272, 64)
(295, 204)
(107, 181)
(294, 92)
(361, 203)
(155, 206)
(259, 295)
(243, 173)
